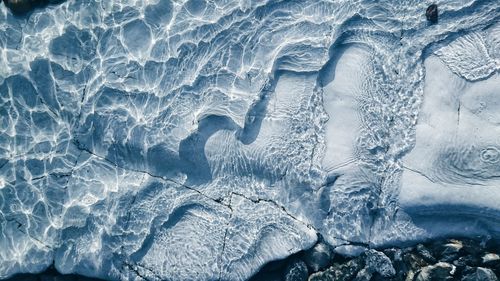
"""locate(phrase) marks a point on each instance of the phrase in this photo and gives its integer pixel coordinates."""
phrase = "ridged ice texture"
(198, 140)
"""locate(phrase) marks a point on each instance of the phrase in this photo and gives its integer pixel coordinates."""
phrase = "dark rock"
(318, 257)
(452, 247)
(20, 6)
(432, 13)
(492, 261)
(415, 262)
(465, 262)
(345, 271)
(396, 255)
(450, 251)
(425, 254)
(296, 271)
(392, 253)
(408, 250)
(439, 271)
(468, 260)
(480, 274)
(473, 247)
(378, 262)
(363, 275)
(444, 259)
(449, 258)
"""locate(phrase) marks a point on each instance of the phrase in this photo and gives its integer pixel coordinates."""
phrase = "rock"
(452, 247)
(492, 261)
(425, 254)
(465, 262)
(296, 271)
(410, 276)
(346, 271)
(491, 258)
(415, 262)
(318, 257)
(468, 260)
(396, 256)
(432, 13)
(378, 262)
(20, 6)
(439, 271)
(480, 274)
(363, 275)
(472, 247)
(393, 253)
(451, 251)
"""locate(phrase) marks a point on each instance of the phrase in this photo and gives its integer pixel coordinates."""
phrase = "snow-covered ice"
(452, 173)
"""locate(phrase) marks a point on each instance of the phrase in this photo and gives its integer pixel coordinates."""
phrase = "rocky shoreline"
(444, 259)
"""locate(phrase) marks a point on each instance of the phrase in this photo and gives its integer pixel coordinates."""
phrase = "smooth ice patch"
(341, 101)
(453, 168)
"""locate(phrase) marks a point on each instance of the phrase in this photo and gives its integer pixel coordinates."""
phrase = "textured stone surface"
(414, 264)
(378, 262)
(479, 273)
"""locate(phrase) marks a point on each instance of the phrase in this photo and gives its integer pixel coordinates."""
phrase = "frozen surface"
(453, 171)
(199, 140)
(452, 174)
(340, 99)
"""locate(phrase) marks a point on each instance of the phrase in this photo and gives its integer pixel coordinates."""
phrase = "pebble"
(490, 257)
(432, 13)
(439, 271)
(425, 253)
(480, 274)
(378, 262)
